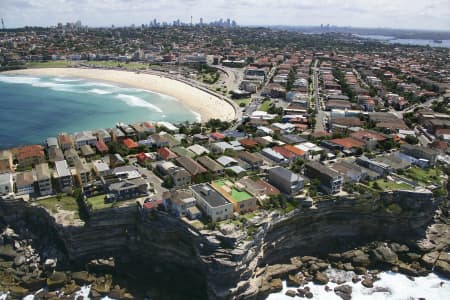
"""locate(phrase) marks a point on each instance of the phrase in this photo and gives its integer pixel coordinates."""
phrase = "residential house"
(295, 151)
(210, 164)
(63, 176)
(193, 167)
(369, 138)
(127, 130)
(149, 127)
(274, 156)
(420, 152)
(286, 181)
(30, 155)
(101, 146)
(242, 201)
(166, 154)
(168, 126)
(6, 161)
(83, 173)
(103, 135)
(55, 154)
(117, 135)
(350, 171)
(330, 180)
(182, 203)
(198, 149)
(43, 179)
(141, 131)
(71, 155)
(25, 183)
(6, 184)
(65, 141)
(87, 151)
(285, 153)
(381, 168)
(145, 159)
(181, 151)
(179, 176)
(100, 167)
(211, 202)
(130, 144)
(125, 188)
(227, 161)
(259, 188)
(51, 142)
(159, 140)
(84, 138)
(253, 160)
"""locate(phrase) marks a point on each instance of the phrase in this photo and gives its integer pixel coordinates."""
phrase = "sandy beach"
(205, 104)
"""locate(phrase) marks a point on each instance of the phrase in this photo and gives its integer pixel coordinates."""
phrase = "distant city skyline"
(401, 14)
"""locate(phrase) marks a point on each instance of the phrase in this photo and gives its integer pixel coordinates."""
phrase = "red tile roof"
(101, 146)
(287, 154)
(248, 142)
(294, 150)
(129, 143)
(217, 135)
(30, 151)
(348, 143)
(166, 153)
(143, 156)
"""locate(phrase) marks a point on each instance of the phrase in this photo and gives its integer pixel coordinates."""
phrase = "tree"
(410, 139)
(376, 185)
(168, 182)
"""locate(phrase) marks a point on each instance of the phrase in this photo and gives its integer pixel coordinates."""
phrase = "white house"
(6, 184)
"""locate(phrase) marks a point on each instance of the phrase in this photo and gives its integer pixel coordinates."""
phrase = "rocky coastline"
(142, 250)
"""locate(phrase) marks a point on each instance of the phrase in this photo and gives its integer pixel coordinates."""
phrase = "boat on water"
(437, 41)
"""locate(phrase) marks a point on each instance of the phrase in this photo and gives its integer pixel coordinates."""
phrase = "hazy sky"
(420, 14)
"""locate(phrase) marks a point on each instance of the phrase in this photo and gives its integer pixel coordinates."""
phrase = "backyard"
(65, 202)
(381, 184)
(265, 105)
(98, 202)
(424, 176)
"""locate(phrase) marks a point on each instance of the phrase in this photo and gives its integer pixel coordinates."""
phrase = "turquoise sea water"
(33, 108)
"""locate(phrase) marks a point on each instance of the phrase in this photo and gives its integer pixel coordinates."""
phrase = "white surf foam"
(391, 286)
(19, 79)
(198, 117)
(138, 102)
(99, 92)
(62, 87)
(63, 79)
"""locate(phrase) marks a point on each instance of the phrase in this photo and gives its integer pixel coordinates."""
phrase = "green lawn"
(265, 105)
(54, 204)
(114, 64)
(424, 176)
(390, 185)
(289, 207)
(49, 64)
(246, 101)
(235, 194)
(98, 202)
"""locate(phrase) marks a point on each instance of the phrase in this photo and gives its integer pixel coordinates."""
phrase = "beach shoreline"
(207, 105)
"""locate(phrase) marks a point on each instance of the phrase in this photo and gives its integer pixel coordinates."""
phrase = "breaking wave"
(138, 102)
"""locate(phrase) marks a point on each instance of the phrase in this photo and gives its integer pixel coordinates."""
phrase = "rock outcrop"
(230, 266)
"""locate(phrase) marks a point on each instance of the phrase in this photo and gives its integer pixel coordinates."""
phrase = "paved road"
(321, 115)
(234, 76)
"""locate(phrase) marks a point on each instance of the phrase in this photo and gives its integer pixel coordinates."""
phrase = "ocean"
(415, 42)
(36, 107)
